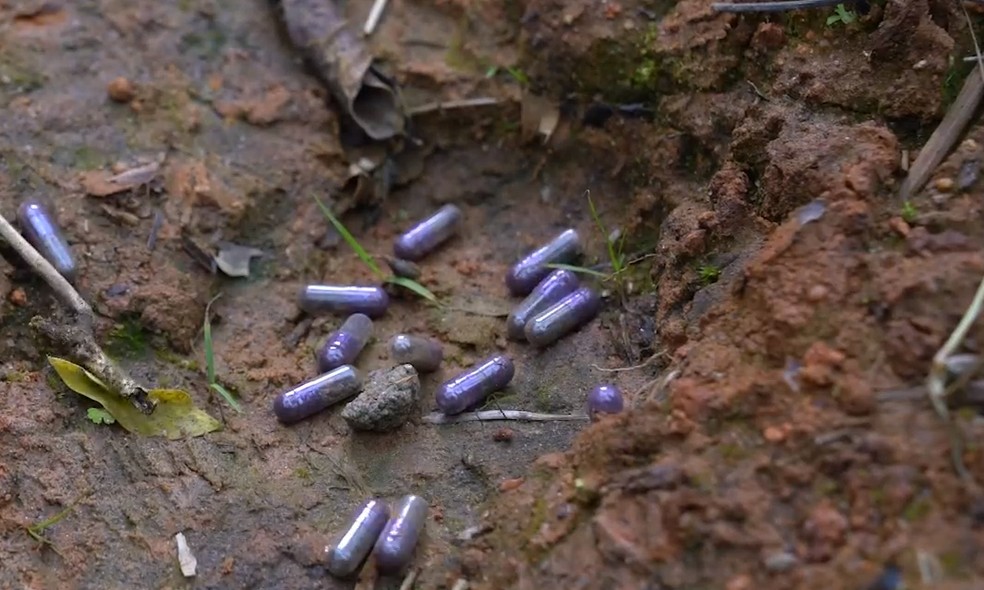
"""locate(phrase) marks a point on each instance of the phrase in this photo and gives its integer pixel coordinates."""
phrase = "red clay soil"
(794, 448)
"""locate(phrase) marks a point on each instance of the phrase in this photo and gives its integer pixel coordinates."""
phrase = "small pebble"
(403, 268)
(780, 561)
(944, 184)
(504, 434)
(121, 90)
(969, 172)
(387, 401)
(18, 297)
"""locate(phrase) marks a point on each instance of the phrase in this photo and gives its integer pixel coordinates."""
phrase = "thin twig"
(461, 584)
(936, 382)
(772, 6)
(75, 336)
(758, 92)
(452, 104)
(62, 288)
(950, 129)
(374, 15)
(641, 365)
(519, 415)
(409, 580)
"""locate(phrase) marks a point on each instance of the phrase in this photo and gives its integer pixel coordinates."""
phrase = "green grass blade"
(612, 255)
(413, 286)
(578, 269)
(226, 396)
(209, 352)
(350, 239)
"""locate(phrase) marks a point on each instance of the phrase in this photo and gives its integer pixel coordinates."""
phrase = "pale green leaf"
(175, 415)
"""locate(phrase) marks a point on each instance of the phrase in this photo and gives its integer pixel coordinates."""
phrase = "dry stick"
(946, 135)
(76, 337)
(374, 15)
(452, 104)
(772, 6)
(409, 580)
(641, 365)
(519, 415)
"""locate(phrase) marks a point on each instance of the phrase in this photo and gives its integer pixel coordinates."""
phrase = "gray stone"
(387, 400)
(780, 561)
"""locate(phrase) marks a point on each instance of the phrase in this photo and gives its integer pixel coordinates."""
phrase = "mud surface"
(776, 437)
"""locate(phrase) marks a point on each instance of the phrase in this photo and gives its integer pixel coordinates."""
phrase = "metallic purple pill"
(605, 399)
(526, 274)
(311, 397)
(352, 548)
(474, 385)
(316, 299)
(423, 238)
(552, 289)
(343, 345)
(41, 230)
(395, 546)
(424, 354)
(563, 317)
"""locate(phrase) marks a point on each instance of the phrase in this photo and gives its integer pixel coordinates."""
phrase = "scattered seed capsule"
(552, 289)
(526, 274)
(563, 317)
(474, 385)
(343, 345)
(311, 397)
(605, 399)
(423, 238)
(371, 301)
(424, 354)
(41, 230)
(352, 548)
(395, 546)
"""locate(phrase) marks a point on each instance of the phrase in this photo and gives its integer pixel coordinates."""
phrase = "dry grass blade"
(949, 130)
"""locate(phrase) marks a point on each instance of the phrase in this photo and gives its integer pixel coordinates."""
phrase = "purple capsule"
(41, 230)
(563, 317)
(352, 548)
(311, 397)
(526, 274)
(395, 545)
(424, 354)
(343, 345)
(423, 238)
(316, 299)
(474, 385)
(552, 289)
(605, 399)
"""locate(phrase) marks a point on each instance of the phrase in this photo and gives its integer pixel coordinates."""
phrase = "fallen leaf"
(233, 259)
(175, 415)
(97, 183)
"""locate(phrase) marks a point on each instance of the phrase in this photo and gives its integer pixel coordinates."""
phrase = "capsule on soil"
(424, 354)
(316, 299)
(352, 548)
(423, 238)
(41, 230)
(526, 274)
(474, 385)
(343, 345)
(563, 317)
(395, 546)
(605, 399)
(552, 289)
(311, 397)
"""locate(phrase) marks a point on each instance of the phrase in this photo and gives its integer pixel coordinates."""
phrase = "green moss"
(953, 564)
(917, 510)
(17, 76)
(127, 340)
(303, 474)
(172, 358)
(538, 516)
(15, 377)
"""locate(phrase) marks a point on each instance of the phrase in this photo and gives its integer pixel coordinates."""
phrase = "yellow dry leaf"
(175, 415)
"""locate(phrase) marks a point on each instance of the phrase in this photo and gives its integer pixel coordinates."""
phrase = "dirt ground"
(777, 435)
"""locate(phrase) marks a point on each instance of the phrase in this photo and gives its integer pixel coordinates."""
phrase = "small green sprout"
(36, 530)
(708, 273)
(99, 416)
(842, 15)
(909, 212)
(210, 361)
(368, 260)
